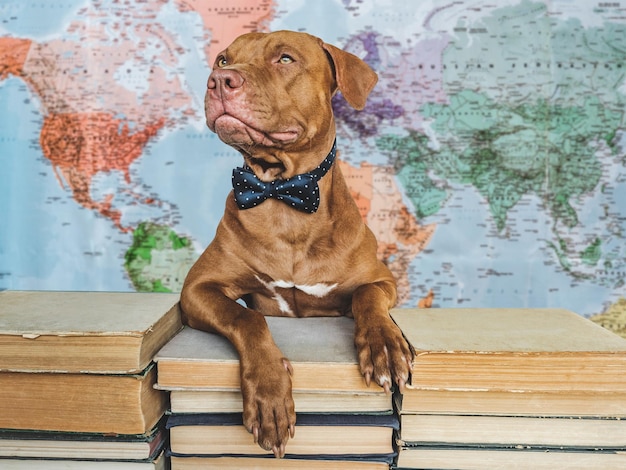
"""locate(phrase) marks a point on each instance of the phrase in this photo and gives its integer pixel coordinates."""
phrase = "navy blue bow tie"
(301, 191)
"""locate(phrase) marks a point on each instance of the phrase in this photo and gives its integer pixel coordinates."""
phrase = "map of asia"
(490, 160)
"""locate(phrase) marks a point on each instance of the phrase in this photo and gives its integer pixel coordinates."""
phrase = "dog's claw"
(287, 365)
(384, 356)
(268, 408)
(279, 451)
(368, 378)
(292, 431)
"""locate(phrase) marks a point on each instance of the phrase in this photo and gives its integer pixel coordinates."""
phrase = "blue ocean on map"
(542, 224)
(53, 244)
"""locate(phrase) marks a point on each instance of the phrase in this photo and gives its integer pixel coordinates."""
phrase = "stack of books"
(511, 388)
(77, 379)
(341, 423)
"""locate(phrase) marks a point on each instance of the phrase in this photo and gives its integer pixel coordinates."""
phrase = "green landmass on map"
(592, 254)
(412, 165)
(505, 152)
(154, 251)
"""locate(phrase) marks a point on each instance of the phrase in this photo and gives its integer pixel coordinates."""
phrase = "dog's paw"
(383, 353)
(268, 407)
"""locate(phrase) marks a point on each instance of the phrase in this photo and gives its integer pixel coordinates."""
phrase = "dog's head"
(269, 96)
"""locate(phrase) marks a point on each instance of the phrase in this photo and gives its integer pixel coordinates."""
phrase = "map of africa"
(490, 160)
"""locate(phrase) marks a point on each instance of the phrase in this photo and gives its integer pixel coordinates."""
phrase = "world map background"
(490, 160)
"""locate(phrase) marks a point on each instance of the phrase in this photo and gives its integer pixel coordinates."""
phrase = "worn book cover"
(460, 458)
(512, 349)
(161, 462)
(579, 403)
(286, 463)
(321, 351)
(511, 431)
(82, 445)
(316, 434)
(117, 404)
(87, 332)
(227, 401)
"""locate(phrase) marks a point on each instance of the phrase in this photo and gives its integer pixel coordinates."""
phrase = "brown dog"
(269, 96)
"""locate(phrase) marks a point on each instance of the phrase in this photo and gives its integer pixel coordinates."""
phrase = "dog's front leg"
(268, 407)
(383, 353)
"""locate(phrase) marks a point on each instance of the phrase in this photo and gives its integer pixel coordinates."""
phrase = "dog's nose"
(225, 80)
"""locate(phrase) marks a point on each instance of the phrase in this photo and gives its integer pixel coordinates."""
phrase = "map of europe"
(489, 161)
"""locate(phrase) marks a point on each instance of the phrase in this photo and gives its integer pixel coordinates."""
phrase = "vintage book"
(119, 404)
(92, 446)
(455, 458)
(321, 351)
(511, 350)
(417, 400)
(316, 435)
(230, 401)
(219, 463)
(91, 332)
(511, 431)
(159, 463)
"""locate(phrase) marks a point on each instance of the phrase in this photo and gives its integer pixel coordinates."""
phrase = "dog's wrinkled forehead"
(291, 54)
(261, 48)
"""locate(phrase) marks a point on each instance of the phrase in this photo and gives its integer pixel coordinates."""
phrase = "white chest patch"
(318, 290)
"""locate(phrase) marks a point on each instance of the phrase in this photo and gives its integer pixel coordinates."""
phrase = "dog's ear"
(355, 79)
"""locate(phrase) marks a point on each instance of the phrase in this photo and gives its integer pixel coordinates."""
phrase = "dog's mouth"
(255, 144)
(234, 130)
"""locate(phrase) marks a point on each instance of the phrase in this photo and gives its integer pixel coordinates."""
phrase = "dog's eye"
(285, 59)
(221, 61)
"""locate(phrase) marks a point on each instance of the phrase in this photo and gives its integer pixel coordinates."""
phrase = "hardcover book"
(316, 435)
(118, 404)
(579, 403)
(455, 458)
(230, 401)
(512, 350)
(514, 431)
(159, 463)
(321, 351)
(75, 445)
(84, 332)
(286, 463)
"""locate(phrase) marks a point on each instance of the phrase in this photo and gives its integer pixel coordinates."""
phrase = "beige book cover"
(509, 431)
(321, 350)
(512, 349)
(221, 463)
(91, 332)
(459, 458)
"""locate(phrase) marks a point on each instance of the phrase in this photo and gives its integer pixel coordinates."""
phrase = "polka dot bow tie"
(301, 191)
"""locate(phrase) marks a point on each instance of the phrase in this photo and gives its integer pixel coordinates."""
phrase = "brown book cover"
(90, 332)
(118, 404)
(219, 463)
(321, 435)
(321, 351)
(512, 350)
(514, 431)
(459, 458)
(26, 444)
(161, 462)
(231, 401)
(583, 403)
